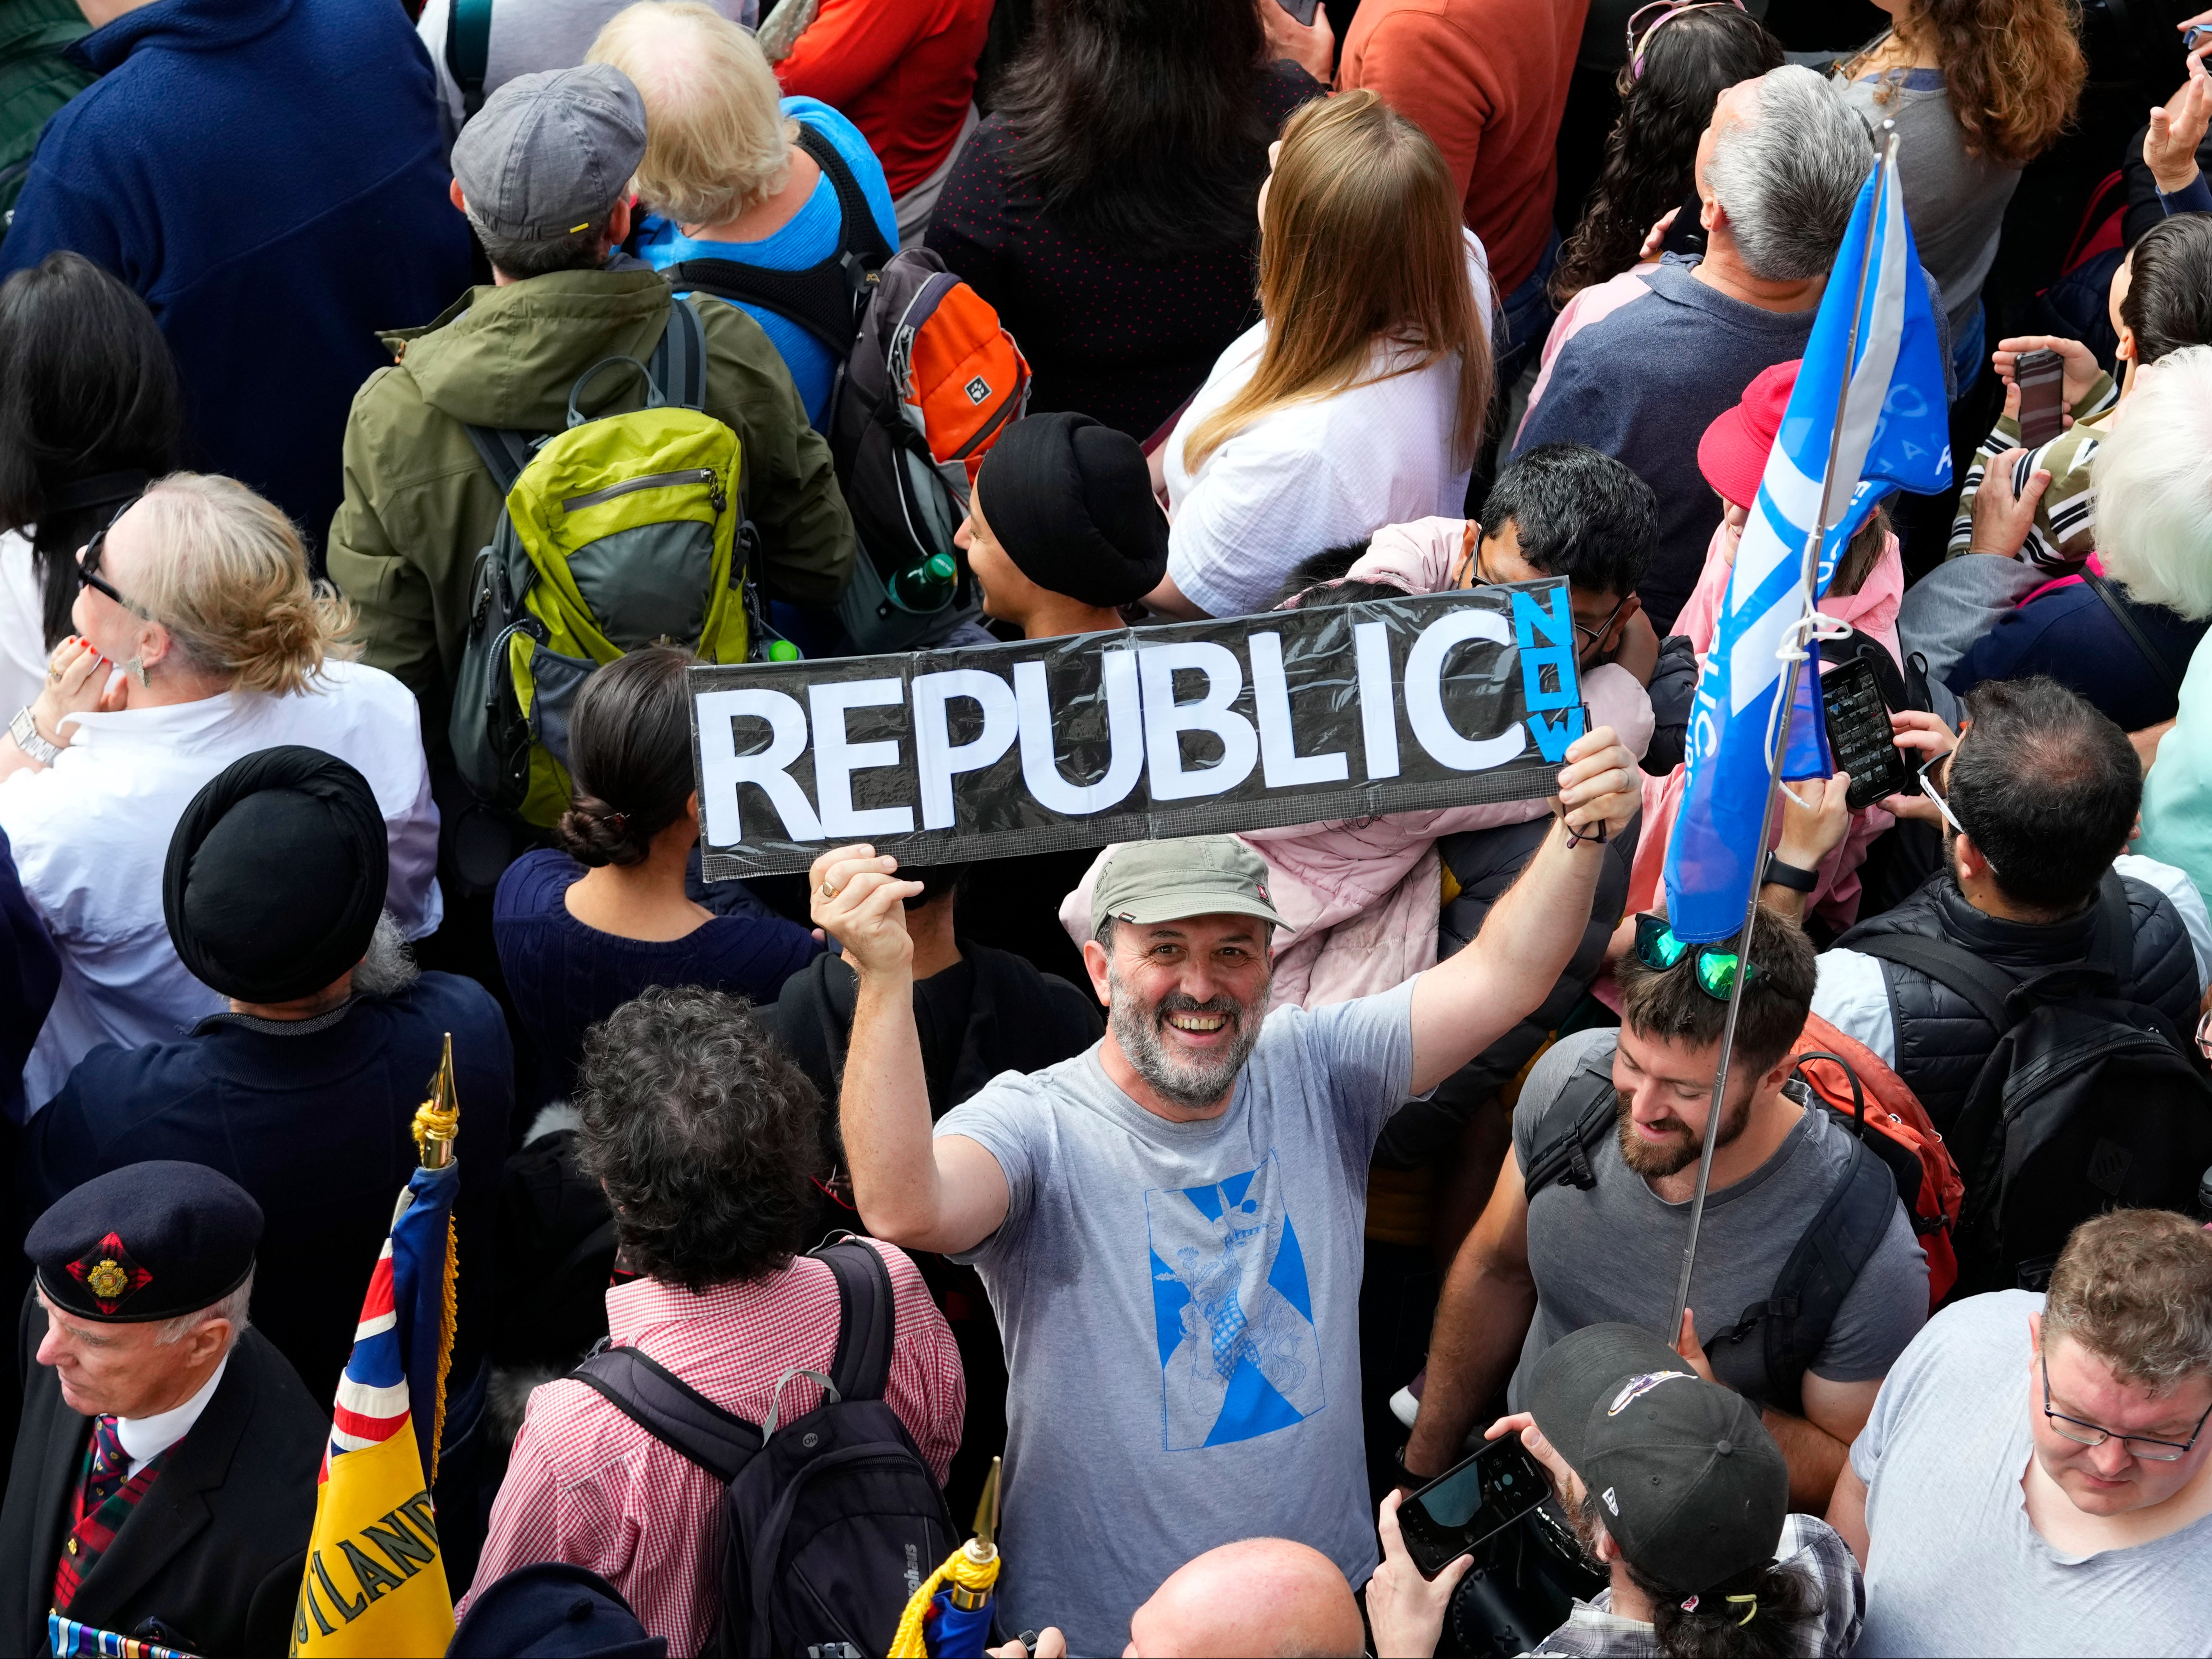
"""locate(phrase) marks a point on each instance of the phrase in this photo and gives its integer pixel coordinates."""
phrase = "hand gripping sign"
(1190, 728)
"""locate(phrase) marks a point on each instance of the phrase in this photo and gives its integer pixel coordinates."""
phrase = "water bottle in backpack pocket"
(619, 531)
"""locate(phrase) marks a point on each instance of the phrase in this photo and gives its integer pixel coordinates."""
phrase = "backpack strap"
(824, 298)
(2114, 950)
(678, 365)
(503, 451)
(866, 1318)
(2126, 618)
(671, 1411)
(1793, 1321)
(1987, 989)
(1579, 1117)
(468, 50)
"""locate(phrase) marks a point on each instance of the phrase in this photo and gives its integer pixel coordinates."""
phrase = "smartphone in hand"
(2041, 376)
(1302, 9)
(1686, 234)
(1859, 734)
(1466, 1504)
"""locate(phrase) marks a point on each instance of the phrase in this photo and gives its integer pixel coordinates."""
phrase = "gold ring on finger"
(827, 890)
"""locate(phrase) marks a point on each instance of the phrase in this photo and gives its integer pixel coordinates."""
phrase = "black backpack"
(831, 1521)
(1763, 1356)
(2090, 1100)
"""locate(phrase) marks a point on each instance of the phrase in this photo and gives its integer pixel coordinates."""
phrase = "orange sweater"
(1488, 80)
(903, 71)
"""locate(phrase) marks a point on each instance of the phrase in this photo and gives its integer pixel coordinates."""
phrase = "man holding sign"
(1169, 1224)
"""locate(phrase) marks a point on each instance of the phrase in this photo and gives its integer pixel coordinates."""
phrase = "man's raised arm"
(1462, 1005)
(912, 1190)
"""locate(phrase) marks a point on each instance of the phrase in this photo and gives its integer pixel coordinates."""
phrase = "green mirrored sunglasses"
(1658, 949)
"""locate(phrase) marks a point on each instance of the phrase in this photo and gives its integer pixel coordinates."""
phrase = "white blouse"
(1315, 475)
(91, 833)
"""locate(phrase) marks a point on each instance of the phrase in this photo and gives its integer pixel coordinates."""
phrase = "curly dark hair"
(1648, 159)
(629, 757)
(2013, 69)
(1715, 1629)
(703, 1134)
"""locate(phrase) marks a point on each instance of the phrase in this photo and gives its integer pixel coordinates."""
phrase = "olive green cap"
(1150, 881)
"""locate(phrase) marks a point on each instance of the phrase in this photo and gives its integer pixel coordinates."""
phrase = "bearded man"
(1169, 1225)
(1588, 1219)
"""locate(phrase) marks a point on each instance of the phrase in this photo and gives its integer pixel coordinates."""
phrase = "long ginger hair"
(2013, 69)
(1360, 244)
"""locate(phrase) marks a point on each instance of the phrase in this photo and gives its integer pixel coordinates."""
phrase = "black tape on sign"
(1190, 728)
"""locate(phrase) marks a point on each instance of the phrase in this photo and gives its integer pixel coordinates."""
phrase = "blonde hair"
(1360, 242)
(2153, 479)
(227, 576)
(716, 143)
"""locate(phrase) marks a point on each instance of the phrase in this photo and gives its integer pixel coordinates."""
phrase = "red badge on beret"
(109, 1273)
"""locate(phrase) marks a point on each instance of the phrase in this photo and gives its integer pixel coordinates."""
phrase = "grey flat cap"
(551, 152)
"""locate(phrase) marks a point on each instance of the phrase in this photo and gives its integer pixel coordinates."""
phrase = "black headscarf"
(1071, 503)
(276, 876)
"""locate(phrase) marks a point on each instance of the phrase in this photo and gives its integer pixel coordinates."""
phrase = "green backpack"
(620, 532)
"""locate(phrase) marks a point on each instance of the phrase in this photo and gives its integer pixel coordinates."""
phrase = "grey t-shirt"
(1956, 201)
(1615, 1251)
(1180, 1308)
(1955, 1566)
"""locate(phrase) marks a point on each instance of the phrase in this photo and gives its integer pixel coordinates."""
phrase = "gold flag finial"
(438, 1120)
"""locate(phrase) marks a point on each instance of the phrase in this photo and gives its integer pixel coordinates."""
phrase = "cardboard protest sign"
(1188, 729)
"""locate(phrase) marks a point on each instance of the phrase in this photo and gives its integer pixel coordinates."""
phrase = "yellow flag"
(375, 1585)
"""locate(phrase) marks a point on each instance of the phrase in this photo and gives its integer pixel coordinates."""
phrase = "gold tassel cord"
(966, 1573)
(437, 1126)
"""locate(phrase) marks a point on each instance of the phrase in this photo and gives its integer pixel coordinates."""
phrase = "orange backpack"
(933, 378)
(1851, 1080)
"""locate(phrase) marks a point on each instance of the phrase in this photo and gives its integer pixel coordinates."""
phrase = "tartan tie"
(110, 1466)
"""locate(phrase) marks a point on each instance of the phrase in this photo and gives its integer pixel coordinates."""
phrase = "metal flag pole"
(1778, 753)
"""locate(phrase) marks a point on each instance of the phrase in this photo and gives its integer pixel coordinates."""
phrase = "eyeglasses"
(1594, 636)
(1666, 11)
(2090, 1434)
(88, 568)
(1658, 949)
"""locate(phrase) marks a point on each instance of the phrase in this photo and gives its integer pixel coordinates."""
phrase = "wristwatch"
(1789, 875)
(25, 731)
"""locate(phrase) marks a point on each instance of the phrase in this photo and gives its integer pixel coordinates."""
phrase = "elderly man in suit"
(164, 1477)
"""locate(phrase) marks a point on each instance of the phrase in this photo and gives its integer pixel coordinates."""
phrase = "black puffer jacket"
(1941, 1042)
(1484, 863)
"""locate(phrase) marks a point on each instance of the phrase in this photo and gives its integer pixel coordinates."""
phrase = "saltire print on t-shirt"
(1238, 1354)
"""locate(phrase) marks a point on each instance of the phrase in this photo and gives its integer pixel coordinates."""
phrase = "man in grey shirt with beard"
(1560, 1247)
(1170, 1225)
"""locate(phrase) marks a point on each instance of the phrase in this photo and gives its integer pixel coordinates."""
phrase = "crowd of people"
(1224, 1192)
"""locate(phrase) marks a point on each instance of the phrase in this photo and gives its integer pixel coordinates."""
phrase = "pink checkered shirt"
(589, 1486)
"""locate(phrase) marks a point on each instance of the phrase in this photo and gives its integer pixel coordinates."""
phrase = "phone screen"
(1464, 1505)
(1860, 736)
(2042, 378)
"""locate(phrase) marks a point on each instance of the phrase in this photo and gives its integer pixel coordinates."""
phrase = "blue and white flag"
(1894, 433)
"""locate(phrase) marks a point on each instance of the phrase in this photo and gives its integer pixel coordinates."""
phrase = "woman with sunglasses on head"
(1975, 89)
(89, 411)
(1681, 60)
(200, 639)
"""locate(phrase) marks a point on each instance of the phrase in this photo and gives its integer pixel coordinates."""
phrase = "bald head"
(1265, 1596)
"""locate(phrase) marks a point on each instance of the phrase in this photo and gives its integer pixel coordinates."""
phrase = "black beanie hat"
(1071, 503)
(276, 876)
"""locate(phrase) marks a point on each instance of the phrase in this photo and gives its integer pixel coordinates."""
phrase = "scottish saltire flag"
(1892, 431)
(375, 1583)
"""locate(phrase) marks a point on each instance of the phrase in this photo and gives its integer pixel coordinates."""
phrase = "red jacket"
(903, 71)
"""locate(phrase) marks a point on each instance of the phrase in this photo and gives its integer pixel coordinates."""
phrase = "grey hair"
(232, 1308)
(2153, 479)
(388, 966)
(1788, 177)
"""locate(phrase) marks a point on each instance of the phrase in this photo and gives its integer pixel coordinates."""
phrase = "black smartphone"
(1464, 1505)
(1302, 9)
(1860, 734)
(1687, 234)
(2041, 376)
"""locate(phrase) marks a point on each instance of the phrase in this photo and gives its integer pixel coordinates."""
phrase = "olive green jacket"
(419, 504)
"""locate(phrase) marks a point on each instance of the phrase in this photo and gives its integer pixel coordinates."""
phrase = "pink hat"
(1732, 454)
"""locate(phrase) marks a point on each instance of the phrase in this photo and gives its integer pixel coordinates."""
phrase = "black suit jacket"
(214, 1549)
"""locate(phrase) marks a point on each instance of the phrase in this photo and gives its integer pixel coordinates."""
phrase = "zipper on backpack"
(705, 475)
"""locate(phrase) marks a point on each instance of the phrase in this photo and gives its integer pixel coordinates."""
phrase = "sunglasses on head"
(1658, 949)
(1660, 14)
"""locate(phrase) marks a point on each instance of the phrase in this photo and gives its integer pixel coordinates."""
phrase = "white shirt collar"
(147, 1437)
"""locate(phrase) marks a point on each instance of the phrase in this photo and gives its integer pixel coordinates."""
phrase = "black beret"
(147, 1241)
(276, 876)
(552, 1610)
(1071, 503)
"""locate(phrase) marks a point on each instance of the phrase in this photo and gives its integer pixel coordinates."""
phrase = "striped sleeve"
(2065, 529)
